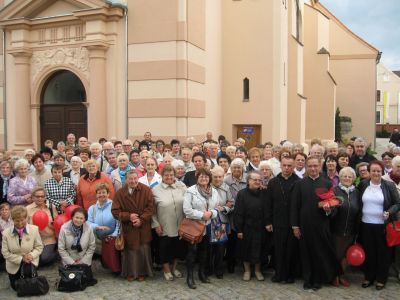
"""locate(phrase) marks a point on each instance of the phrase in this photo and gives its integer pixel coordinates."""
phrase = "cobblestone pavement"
(231, 287)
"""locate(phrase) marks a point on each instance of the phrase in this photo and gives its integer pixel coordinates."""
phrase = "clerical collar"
(313, 178)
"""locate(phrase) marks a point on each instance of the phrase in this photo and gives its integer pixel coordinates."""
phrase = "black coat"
(3, 198)
(190, 178)
(346, 217)
(355, 160)
(82, 171)
(277, 206)
(391, 199)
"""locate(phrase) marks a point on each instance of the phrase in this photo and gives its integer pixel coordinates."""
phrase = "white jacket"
(194, 204)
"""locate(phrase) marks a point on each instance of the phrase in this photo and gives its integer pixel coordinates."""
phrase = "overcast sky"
(377, 22)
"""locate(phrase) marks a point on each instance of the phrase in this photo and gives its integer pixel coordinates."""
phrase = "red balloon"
(59, 221)
(68, 211)
(40, 219)
(355, 255)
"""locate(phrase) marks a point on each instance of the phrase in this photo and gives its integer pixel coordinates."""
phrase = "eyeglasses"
(254, 179)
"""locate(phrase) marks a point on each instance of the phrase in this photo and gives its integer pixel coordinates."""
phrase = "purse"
(119, 240)
(393, 233)
(218, 231)
(72, 278)
(31, 286)
(109, 254)
(191, 231)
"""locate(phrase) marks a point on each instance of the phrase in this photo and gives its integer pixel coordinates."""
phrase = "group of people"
(261, 207)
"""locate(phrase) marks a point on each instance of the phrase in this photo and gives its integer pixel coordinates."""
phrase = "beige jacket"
(48, 235)
(168, 200)
(66, 239)
(13, 252)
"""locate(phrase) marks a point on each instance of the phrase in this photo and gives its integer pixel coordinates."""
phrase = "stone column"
(22, 101)
(97, 100)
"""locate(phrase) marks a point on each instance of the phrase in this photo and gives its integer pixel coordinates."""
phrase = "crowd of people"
(262, 208)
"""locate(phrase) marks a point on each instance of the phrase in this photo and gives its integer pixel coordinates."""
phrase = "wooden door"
(250, 133)
(56, 121)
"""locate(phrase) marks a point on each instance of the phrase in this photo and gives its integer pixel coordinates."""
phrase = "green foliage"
(338, 125)
(383, 134)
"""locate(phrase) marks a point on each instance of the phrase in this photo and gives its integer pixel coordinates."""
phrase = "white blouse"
(372, 212)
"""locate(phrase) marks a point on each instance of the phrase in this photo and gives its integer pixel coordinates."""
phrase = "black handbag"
(73, 278)
(31, 286)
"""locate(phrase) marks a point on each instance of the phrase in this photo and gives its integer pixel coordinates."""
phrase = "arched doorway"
(62, 107)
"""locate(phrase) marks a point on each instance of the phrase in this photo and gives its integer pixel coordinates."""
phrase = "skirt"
(171, 248)
(137, 263)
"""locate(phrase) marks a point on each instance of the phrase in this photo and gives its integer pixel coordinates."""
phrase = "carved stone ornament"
(76, 57)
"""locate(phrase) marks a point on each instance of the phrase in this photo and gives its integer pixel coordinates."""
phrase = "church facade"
(262, 70)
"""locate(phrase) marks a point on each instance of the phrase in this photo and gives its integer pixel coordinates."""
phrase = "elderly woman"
(86, 190)
(21, 245)
(380, 203)
(225, 208)
(76, 170)
(134, 158)
(254, 159)
(199, 161)
(61, 148)
(249, 224)
(266, 170)
(5, 177)
(48, 235)
(19, 191)
(151, 178)
(76, 242)
(41, 173)
(118, 176)
(179, 167)
(224, 161)
(299, 164)
(168, 214)
(345, 219)
(28, 154)
(387, 161)
(95, 151)
(60, 191)
(133, 207)
(331, 172)
(200, 204)
(343, 160)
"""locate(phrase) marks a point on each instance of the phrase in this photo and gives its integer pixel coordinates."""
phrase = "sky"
(377, 22)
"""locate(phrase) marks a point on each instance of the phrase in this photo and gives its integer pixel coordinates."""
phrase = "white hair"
(331, 145)
(29, 151)
(287, 145)
(360, 140)
(77, 158)
(347, 170)
(238, 162)
(395, 161)
(229, 148)
(177, 163)
(22, 162)
(265, 163)
(217, 169)
(95, 145)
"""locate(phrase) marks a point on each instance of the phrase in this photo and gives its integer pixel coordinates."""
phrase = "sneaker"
(168, 276)
(259, 276)
(177, 274)
(246, 276)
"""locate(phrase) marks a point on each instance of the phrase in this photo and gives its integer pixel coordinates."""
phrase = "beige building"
(387, 96)
(262, 70)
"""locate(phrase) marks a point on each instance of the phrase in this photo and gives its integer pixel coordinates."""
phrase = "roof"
(397, 73)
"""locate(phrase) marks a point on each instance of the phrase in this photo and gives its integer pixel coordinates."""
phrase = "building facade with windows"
(387, 96)
(261, 70)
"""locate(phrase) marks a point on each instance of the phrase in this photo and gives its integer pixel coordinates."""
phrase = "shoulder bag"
(119, 240)
(393, 233)
(191, 231)
(31, 286)
(72, 278)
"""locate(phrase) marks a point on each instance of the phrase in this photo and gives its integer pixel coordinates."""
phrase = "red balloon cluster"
(40, 219)
(355, 255)
(68, 211)
(59, 221)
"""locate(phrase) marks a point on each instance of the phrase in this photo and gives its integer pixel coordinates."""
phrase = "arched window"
(246, 90)
(63, 87)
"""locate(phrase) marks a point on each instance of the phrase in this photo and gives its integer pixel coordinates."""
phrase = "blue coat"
(101, 216)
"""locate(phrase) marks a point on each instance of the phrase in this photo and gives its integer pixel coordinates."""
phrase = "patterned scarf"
(348, 190)
(5, 184)
(77, 231)
(122, 173)
(206, 193)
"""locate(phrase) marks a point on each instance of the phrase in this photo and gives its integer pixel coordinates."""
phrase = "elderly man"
(360, 153)
(71, 140)
(332, 148)
(187, 159)
(107, 148)
(95, 150)
(213, 153)
(127, 146)
(83, 142)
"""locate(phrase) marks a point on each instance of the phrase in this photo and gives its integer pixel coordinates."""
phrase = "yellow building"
(264, 70)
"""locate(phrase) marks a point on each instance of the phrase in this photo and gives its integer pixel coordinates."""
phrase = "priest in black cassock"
(277, 221)
(311, 226)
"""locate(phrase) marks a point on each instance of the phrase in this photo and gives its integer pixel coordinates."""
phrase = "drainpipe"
(126, 73)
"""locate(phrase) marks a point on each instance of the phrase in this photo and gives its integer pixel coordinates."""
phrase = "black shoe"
(190, 280)
(275, 279)
(290, 280)
(219, 276)
(379, 286)
(366, 284)
(307, 286)
(203, 277)
(316, 287)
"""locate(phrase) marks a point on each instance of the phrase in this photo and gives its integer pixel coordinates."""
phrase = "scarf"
(206, 193)
(122, 173)
(21, 232)
(5, 184)
(77, 232)
(394, 177)
(348, 190)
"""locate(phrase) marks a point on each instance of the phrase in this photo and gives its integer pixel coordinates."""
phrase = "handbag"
(31, 286)
(393, 233)
(119, 240)
(72, 278)
(191, 231)
(109, 254)
(218, 231)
